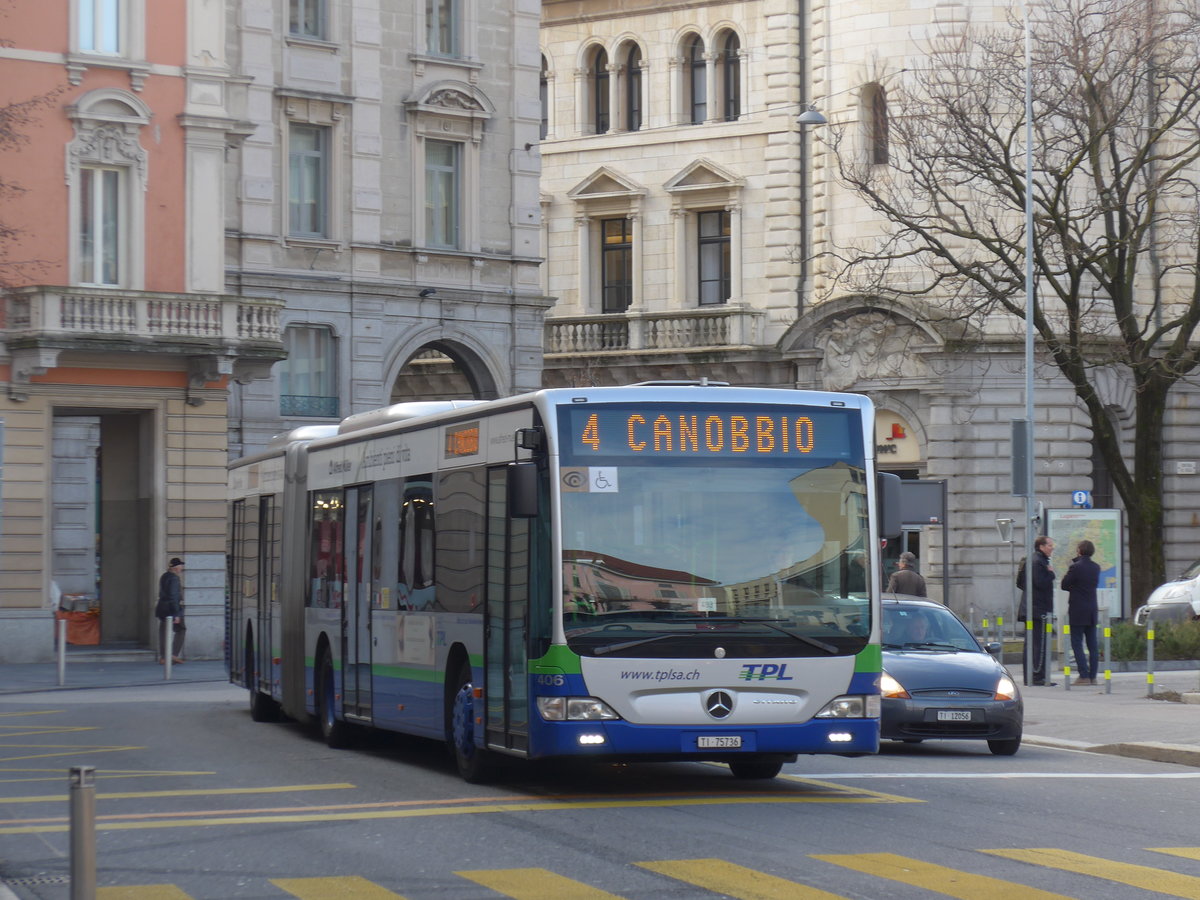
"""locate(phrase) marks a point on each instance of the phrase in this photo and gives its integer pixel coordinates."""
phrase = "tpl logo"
(764, 671)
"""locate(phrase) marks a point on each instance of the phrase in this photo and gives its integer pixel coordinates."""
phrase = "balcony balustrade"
(41, 322)
(630, 332)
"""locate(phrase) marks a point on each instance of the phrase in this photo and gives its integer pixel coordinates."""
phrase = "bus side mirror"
(887, 500)
(523, 490)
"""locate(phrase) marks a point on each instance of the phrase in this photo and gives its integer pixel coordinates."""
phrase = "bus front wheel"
(762, 767)
(475, 765)
(335, 732)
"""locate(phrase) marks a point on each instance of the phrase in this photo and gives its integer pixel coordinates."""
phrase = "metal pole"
(1030, 502)
(1107, 654)
(1149, 657)
(62, 652)
(83, 832)
(1065, 658)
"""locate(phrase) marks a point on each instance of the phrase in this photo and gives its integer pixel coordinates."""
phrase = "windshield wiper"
(625, 645)
(931, 645)
(767, 623)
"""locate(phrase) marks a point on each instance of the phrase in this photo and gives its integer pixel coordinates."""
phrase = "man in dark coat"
(170, 607)
(1080, 583)
(1043, 605)
(906, 579)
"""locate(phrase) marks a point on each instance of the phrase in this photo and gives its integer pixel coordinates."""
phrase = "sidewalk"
(1123, 722)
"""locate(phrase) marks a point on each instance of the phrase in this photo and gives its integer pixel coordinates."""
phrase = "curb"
(1153, 751)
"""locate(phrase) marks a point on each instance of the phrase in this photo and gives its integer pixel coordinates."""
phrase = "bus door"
(506, 620)
(356, 606)
(267, 598)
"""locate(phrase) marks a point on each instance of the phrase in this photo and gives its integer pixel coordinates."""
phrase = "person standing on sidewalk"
(1080, 583)
(170, 607)
(906, 579)
(1043, 606)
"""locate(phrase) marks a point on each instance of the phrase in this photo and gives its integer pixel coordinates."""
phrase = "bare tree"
(1116, 124)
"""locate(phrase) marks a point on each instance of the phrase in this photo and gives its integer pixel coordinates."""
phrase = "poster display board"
(1106, 529)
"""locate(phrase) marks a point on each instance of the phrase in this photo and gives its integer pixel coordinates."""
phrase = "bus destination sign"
(712, 431)
(462, 440)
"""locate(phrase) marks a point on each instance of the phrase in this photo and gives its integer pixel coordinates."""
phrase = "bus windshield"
(761, 558)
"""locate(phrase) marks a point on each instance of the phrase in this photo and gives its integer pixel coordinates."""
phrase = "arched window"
(601, 119)
(697, 81)
(731, 77)
(875, 101)
(544, 99)
(633, 88)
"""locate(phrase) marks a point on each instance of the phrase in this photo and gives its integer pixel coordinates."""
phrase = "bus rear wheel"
(335, 732)
(760, 767)
(475, 765)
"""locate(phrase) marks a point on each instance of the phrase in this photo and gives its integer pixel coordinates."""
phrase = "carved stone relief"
(869, 347)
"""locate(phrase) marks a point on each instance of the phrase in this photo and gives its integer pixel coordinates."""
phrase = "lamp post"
(1030, 492)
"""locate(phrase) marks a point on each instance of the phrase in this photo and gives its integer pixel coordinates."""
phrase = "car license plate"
(720, 741)
(954, 715)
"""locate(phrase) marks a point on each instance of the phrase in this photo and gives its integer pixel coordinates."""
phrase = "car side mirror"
(994, 647)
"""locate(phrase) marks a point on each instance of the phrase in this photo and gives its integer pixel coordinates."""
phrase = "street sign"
(1082, 499)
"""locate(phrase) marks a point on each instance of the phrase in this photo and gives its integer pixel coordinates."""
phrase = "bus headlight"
(575, 709)
(851, 706)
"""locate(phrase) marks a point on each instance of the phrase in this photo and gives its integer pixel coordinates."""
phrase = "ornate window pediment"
(107, 126)
(703, 177)
(450, 109)
(606, 184)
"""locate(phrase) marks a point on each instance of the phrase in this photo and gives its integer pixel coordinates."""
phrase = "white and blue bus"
(653, 572)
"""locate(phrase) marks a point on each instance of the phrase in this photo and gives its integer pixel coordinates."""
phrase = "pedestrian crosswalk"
(1091, 875)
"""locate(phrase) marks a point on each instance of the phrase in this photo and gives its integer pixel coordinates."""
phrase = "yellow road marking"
(535, 884)
(349, 887)
(846, 789)
(1144, 877)
(31, 712)
(56, 774)
(142, 892)
(733, 880)
(942, 879)
(198, 792)
(1185, 852)
(251, 817)
(64, 750)
(7, 732)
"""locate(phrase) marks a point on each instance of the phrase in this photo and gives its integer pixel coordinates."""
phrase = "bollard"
(1107, 655)
(83, 832)
(1149, 657)
(1048, 628)
(62, 652)
(1066, 657)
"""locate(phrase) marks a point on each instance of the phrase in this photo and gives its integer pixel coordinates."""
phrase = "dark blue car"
(939, 683)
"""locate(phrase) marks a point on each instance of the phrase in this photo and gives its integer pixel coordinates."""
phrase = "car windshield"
(1190, 572)
(925, 628)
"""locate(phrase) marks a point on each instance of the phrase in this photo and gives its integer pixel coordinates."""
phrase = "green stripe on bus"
(558, 660)
(869, 659)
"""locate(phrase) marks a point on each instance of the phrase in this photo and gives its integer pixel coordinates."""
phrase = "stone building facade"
(689, 223)
(118, 340)
(386, 196)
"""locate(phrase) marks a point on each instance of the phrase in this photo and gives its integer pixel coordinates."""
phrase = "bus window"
(325, 580)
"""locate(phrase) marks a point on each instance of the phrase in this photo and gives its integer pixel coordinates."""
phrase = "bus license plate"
(721, 741)
(954, 715)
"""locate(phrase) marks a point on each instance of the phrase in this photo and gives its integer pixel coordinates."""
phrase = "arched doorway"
(442, 370)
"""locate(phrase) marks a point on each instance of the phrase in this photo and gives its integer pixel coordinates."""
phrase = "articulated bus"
(664, 571)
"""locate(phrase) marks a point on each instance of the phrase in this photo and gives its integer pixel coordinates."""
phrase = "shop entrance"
(101, 497)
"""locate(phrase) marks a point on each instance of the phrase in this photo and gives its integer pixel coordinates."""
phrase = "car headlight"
(1175, 591)
(575, 709)
(851, 706)
(891, 688)
(1005, 689)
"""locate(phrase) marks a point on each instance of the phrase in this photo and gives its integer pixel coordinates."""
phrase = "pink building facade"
(118, 342)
